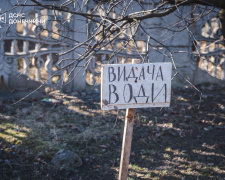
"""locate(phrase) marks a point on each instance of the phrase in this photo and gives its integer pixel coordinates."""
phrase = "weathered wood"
(127, 139)
(126, 145)
(136, 85)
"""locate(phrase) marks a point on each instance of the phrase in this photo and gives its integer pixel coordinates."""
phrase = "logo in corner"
(3, 18)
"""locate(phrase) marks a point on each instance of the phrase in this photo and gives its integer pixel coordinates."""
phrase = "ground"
(184, 141)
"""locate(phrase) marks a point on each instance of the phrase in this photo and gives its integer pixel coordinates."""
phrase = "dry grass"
(166, 145)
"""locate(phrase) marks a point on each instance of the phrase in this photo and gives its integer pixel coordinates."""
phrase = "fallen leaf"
(206, 129)
(97, 166)
(103, 146)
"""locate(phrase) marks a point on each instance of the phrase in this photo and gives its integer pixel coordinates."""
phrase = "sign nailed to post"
(135, 85)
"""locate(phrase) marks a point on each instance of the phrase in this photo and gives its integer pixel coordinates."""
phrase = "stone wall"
(30, 58)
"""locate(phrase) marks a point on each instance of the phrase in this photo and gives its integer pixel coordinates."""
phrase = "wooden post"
(127, 139)
(126, 145)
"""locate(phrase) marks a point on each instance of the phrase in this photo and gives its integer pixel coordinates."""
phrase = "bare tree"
(116, 30)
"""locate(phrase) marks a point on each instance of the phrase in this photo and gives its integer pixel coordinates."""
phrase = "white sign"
(135, 85)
